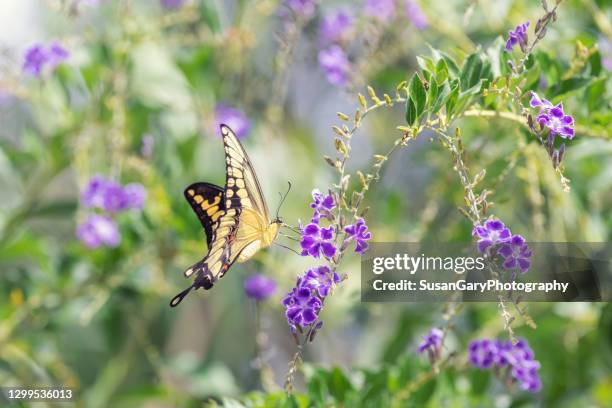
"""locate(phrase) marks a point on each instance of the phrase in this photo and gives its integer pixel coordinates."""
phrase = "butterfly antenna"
(292, 228)
(286, 247)
(289, 237)
(283, 199)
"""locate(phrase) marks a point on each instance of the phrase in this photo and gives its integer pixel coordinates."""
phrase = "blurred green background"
(98, 319)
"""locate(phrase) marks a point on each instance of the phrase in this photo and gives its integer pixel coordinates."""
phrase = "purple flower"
(557, 121)
(537, 102)
(302, 8)
(482, 353)
(232, 117)
(111, 196)
(172, 4)
(415, 13)
(146, 147)
(516, 254)
(335, 65)
(35, 59)
(518, 358)
(98, 230)
(259, 287)
(493, 232)
(360, 234)
(518, 36)
(321, 279)
(317, 240)
(322, 205)
(302, 305)
(336, 26)
(135, 195)
(432, 343)
(382, 10)
(605, 48)
(56, 55)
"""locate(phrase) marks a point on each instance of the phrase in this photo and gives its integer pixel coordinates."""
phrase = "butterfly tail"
(203, 280)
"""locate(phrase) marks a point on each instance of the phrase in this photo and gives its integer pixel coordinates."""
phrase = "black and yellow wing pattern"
(235, 219)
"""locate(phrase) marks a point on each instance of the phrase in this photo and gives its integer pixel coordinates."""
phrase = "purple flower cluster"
(432, 344)
(303, 303)
(302, 8)
(232, 117)
(336, 26)
(38, 56)
(259, 287)
(335, 64)
(112, 197)
(494, 235)
(553, 117)
(518, 358)
(322, 204)
(518, 36)
(382, 10)
(415, 14)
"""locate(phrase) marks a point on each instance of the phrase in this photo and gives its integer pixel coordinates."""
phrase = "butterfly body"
(235, 218)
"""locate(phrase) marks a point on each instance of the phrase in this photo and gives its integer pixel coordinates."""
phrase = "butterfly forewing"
(207, 202)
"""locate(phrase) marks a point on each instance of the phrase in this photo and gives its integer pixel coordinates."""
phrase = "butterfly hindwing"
(206, 200)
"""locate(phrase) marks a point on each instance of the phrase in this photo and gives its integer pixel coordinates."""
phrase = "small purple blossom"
(302, 305)
(321, 279)
(359, 233)
(518, 36)
(335, 65)
(557, 121)
(516, 254)
(382, 10)
(35, 59)
(432, 342)
(172, 4)
(322, 205)
(146, 147)
(415, 14)
(491, 233)
(135, 195)
(259, 287)
(316, 241)
(336, 26)
(519, 358)
(98, 230)
(111, 196)
(232, 117)
(38, 56)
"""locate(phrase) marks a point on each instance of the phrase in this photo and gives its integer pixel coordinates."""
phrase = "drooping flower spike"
(518, 36)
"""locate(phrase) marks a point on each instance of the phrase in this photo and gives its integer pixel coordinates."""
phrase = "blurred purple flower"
(493, 232)
(316, 241)
(37, 57)
(111, 196)
(335, 65)
(519, 357)
(432, 342)
(321, 279)
(232, 117)
(518, 36)
(302, 8)
(360, 234)
(415, 13)
(383, 10)
(259, 287)
(135, 195)
(336, 26)
(98, 230)
(542, 82)
(516, 254)
(172, 4)
(322, 205)
(302, 305)
(56, 55)
(605, 48)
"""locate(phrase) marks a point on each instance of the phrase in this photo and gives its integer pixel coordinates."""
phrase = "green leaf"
(443, 94)
(426, 63)
(471, 70)
(418, 95)
(569, 85)
(452, 99)
(410, 112)
(338, 384)
(595, 94)
(441, 71)
(432, 94)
